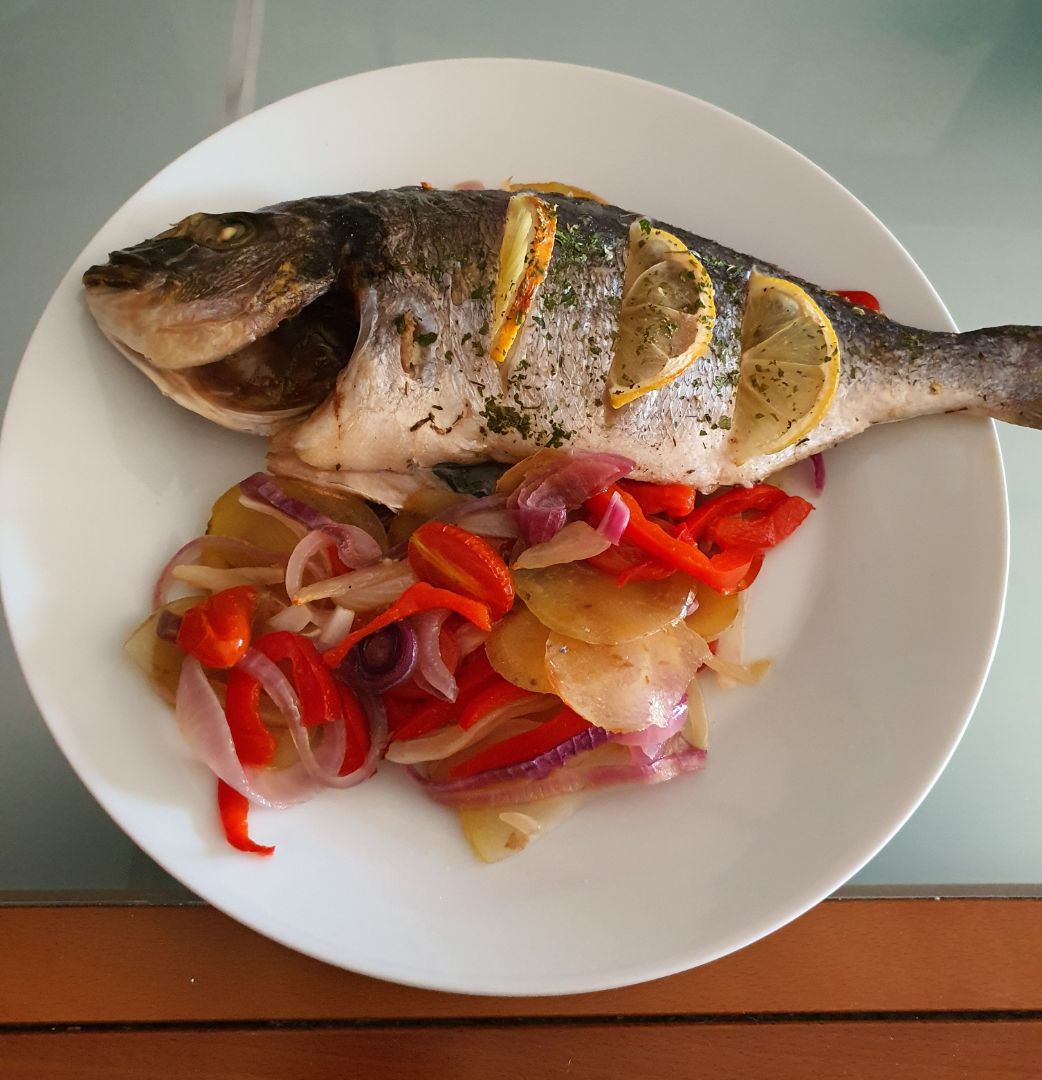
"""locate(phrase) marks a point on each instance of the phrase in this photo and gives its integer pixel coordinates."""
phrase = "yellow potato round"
(582, 603)
(715, 612)
(629, 686)
(516, 649)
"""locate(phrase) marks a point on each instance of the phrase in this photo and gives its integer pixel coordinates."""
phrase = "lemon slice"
(789, 369)
(528, 243)
(555, 187)
(666, 316)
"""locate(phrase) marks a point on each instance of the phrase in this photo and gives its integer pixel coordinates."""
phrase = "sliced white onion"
(731, 674)
(696, 727)
(364, 589)
(574, 542)
(294, 618)
(494, 523)
(217, 578)
(190, 552)
(334, 626)
(294, 526)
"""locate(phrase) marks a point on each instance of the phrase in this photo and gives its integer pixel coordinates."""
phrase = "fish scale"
(414, 270)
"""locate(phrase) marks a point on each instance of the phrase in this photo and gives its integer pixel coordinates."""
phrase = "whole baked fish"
(357, 330)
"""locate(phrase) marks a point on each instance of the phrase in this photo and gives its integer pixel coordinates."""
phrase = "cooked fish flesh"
(356, 329)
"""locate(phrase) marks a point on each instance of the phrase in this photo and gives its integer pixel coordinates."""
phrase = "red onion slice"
(541, 504)
(536, 768)
(204, 728)
(818, 464)
(261, 488)
(429, 661)
(614, 520)
(190, 552)
(314, 543)
(566, 781)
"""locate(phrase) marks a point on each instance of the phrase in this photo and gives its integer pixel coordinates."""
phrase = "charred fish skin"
(418, 268)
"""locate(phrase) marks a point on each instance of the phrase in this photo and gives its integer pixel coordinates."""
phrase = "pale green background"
(930, 112)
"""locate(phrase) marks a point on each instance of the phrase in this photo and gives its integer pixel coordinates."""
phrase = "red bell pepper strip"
(861, 299)
(452, 558)
(254, 743)
(673, 500)
(722, 572)
(435, 714)
(234, 810)
(417, 597)
(356, 728)
(475, 675)
(491, 697)
(529, 744)
(763, 532)
(315, 686)
(734, 502)
(217, 630)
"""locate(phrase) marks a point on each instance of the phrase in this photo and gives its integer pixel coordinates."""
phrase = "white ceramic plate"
(881, 639)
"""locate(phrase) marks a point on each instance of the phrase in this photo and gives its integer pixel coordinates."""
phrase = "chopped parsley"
(506, 418)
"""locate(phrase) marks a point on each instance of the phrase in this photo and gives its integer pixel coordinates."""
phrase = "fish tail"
(1004, 365)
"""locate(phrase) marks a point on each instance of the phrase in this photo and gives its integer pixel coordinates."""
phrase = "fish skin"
(423, 262)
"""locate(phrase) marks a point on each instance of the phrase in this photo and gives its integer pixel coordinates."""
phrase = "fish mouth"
(272, 380)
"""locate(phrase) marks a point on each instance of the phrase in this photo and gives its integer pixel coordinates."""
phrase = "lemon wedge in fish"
(555, 187)
(666, 316)
(789, 368)
(528, 243)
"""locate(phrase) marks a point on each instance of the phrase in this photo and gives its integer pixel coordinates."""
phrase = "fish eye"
(223, 232)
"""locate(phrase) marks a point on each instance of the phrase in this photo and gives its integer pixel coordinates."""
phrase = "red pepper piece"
(529, 744)
(490, 698)
(861, 299)
(452, 558)
(722, 572)
(234, 810)
(625, 563)
(254, 744)
(418, 597)
(736, 501)
(356, 728)
(763, 532)
(217, 630)
(673, 500)
(315, 686)
(427, 718)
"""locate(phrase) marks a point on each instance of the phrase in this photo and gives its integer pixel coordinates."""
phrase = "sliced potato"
(497, 833)
(715, 613)
(159, 660)
(629, 686)
(580, 602)
(341, 506)
(230, 518)
(516, 649)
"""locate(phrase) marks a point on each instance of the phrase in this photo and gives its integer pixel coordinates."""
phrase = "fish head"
(211, 284)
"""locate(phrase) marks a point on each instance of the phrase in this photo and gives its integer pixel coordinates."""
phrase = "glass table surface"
(931, 113)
